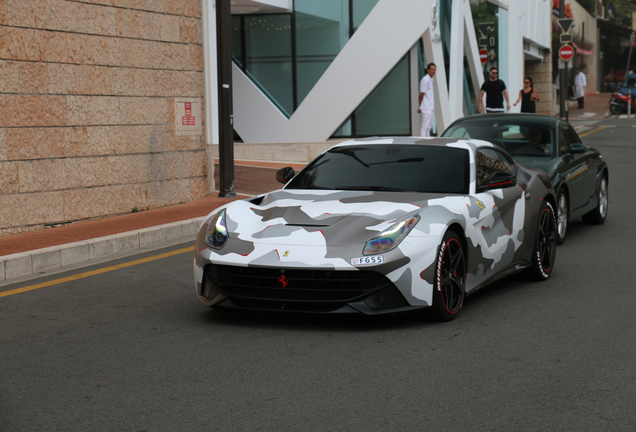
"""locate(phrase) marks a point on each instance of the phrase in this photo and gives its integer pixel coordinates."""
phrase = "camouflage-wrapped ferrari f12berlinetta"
(380, 225)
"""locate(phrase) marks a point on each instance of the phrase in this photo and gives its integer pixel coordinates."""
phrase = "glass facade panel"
(322, 29)
(386, 110)
(268, 56)
(486, 21)
(237, 40)
(360, 10)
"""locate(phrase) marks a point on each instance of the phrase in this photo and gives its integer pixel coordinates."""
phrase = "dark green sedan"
(579, 174)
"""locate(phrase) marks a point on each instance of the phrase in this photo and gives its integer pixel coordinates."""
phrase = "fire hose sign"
(188, 116)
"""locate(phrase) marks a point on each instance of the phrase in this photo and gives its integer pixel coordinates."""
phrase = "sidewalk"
(596, 107)
(80, 243)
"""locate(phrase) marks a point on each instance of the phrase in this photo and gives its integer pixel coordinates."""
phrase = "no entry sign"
(566, 52)
(483, 55)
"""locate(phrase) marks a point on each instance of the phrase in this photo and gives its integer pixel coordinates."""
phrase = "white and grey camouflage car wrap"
(292, 229)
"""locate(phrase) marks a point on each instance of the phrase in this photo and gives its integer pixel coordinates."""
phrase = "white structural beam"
(433, 50)
(416, 118)
(456, 73)
(472, 51)
(511, 33)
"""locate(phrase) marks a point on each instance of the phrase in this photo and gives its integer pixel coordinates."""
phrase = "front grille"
(302, 285)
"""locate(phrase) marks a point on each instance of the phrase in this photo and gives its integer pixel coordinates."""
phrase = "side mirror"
(577, 148)
(499, 180)
(284, 175)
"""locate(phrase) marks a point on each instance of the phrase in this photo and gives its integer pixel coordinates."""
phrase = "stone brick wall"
(87, 91)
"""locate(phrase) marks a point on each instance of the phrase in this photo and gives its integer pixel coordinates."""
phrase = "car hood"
(314, 217)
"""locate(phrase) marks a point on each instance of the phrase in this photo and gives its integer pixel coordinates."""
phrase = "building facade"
(87, 109)
(313, 71)
(110, 106)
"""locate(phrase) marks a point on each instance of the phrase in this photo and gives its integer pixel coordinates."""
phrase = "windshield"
(630, 82)
(518, 138)
(388, 167)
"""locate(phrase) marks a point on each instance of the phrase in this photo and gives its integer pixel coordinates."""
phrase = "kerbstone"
(19, 264)
(102, 247)
(127, 242)
(148, 236)
(74, 253)
(172, 231)
(191, 227)
(45, 259)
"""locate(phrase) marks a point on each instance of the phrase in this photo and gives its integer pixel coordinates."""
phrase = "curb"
(71, 254)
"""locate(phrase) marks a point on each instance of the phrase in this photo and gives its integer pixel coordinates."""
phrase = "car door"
(502, 222)
(578, 169)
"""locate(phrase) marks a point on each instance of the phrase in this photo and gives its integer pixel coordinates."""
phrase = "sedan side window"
(490, 161)
(567, 136)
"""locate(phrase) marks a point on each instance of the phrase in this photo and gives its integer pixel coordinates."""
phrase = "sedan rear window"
(390, 167)
(518, 138)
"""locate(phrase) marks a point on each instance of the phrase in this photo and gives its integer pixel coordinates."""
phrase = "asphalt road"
(132, 349)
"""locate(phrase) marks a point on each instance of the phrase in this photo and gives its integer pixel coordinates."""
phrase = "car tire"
(545, 243)
(563, 215)
(449, 288)
(598, 215)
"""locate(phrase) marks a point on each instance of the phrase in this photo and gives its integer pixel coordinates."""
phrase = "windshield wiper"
(372, 188)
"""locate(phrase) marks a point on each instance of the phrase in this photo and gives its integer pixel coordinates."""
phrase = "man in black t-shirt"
(495, 90)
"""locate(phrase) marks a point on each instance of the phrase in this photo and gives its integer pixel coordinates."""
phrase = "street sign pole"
(562, 72)
(632, 41)
(226, 127)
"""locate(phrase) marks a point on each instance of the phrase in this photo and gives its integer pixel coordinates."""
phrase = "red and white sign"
(188, 121)
(483, 55)
(566, 52)
(632, 39)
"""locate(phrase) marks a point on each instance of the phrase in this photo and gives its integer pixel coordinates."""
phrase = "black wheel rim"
(452, 276)
(547, 240)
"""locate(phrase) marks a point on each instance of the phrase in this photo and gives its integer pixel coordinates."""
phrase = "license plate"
(367, 260)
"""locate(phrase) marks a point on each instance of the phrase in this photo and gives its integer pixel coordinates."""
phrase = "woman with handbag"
(528, 96)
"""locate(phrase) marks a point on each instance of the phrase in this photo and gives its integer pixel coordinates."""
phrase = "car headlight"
(391, 237)
(216, 234)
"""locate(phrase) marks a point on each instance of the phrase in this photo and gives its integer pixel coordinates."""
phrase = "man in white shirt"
(427, 100)
(579, 83)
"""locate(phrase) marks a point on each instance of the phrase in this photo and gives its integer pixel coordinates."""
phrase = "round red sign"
(566, 52)
(483, 55)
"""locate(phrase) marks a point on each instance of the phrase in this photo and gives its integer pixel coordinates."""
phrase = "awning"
(581, 51)
(614, 28)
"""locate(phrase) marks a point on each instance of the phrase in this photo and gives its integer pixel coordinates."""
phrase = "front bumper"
(299, 290)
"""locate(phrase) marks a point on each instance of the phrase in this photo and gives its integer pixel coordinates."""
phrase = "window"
(390, 167)
(518, 138)
(489, 162)
(567, 136)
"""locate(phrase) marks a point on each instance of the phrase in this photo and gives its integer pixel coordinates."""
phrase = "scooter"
(619, 101)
